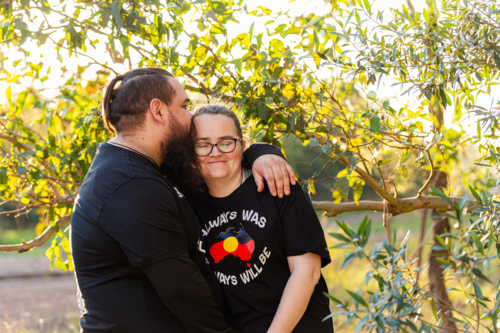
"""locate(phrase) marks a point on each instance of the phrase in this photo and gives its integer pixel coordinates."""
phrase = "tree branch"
(404, 205)
(40, 240)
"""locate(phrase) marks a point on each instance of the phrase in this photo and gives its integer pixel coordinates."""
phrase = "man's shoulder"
(114, 167)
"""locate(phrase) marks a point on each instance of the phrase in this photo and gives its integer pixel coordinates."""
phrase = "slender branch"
(40, 240)
(372, 182)
(431, 176)
(30, 207)
(207, 91)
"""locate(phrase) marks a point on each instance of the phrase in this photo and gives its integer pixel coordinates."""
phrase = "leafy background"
(386, 107)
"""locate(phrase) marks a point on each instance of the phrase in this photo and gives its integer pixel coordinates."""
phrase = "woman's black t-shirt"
(247, 238)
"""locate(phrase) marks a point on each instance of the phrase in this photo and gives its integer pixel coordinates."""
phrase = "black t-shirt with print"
(127, 216)
(247, 238)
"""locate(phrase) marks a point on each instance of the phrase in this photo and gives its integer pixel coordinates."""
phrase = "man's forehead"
(180, 93)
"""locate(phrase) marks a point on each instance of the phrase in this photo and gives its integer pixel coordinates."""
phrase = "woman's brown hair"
(217, 109)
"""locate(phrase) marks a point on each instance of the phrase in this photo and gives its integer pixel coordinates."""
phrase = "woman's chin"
(214, 173)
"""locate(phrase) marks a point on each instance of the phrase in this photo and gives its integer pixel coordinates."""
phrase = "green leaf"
(312, 188)
(342, 186)
(375, 124)
(372, 95)
(358, 298)
(463, 202)
(345, 228)
(434, 310)
(31, 101)
(115, 11)
(125, 45)
(357, 192)
(478, 243)
(314, 20)
(21, 99)
(313, 142)
(339, 237)
(480, 274)
(444, 100)
(478, 291)
(8, 94)
(360, 324)
(367, 5)
(348, 258)
(439, 193)
(497, 61)
(334, 299)
(474, 193)
(362, 226)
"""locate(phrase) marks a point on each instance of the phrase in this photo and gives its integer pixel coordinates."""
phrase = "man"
(134, 237)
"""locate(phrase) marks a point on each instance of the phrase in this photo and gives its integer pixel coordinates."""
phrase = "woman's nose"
(215, 151)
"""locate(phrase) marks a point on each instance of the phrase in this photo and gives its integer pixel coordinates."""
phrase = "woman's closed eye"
(203, 145)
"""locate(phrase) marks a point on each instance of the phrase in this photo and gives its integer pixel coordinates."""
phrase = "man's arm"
(183, 290)
(143, 216)
(268, 162)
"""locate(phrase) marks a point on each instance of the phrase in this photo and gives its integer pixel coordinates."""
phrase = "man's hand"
(277, 172)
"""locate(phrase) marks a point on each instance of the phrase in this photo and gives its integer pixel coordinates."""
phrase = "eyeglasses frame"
(215, 145)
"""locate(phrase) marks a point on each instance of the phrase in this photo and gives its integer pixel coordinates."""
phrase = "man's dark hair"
(124, 105)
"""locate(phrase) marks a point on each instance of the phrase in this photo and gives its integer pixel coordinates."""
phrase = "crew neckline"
(143, 157)
(233, 195)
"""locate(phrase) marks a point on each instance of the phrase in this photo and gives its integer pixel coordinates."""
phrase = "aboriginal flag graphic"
(239, 244)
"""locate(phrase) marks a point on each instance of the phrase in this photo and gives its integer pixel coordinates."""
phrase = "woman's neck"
(222, 187)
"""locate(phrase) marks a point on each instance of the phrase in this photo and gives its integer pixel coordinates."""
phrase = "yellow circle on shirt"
(230, 244)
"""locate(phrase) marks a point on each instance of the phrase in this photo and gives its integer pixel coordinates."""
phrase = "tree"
(446, 56)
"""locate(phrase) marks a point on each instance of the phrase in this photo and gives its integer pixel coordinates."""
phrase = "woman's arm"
(306, 271)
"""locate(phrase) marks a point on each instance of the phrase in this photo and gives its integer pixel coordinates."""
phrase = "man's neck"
(222, 187)
(141, 143)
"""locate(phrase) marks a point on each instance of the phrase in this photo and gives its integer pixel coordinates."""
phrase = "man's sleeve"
(301, 227)
(144, 218)
(257, 150)
(183, 290)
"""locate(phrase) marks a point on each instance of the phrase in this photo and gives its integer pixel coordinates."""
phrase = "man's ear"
(157, 110)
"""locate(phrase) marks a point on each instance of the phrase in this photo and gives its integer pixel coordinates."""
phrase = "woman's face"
(213, 129)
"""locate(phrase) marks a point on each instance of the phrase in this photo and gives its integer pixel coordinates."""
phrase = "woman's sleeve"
(301, 227)
(257, 150)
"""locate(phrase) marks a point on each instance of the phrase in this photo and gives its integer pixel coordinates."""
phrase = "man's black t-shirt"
(247, 238)
(127, 216)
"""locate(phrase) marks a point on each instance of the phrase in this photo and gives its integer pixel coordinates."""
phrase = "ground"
(33, 299)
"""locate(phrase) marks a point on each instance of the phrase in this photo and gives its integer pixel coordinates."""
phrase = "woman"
(267, 252)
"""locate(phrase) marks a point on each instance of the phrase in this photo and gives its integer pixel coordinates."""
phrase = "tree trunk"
(441, 226)
(436, 273)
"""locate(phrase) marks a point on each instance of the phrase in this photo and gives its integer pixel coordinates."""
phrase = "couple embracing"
(174, 230)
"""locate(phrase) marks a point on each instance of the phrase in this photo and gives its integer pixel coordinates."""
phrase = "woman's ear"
(243, 145)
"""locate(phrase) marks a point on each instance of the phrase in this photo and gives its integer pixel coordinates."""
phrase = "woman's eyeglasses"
(224, 146)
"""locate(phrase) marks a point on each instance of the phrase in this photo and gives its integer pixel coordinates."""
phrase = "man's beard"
(181, 162)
